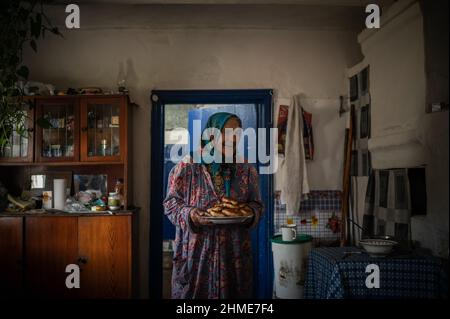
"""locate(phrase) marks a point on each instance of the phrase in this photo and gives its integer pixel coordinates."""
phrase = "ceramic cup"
(288, 232)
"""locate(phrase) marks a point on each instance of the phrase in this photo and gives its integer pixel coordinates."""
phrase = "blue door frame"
(263, 102)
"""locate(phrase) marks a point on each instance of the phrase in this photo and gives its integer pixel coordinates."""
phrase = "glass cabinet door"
(102, 129)
(20, 146)
(57, 130)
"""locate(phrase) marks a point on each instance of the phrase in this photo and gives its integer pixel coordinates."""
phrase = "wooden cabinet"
(79, 135)
(100, 245)
(11, 257)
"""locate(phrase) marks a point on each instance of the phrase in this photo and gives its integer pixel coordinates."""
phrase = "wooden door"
(103, 129)
(11, 262)
(58, 139)
(51, 245)
(104, 246)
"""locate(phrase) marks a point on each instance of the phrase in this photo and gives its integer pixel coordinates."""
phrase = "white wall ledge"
(397, 150)
(413, 147)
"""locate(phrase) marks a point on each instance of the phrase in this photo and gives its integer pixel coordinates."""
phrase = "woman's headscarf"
(218, 120)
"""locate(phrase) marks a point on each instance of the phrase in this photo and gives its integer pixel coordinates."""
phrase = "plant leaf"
(13, 59)
(23, 72)
(35, 26)
(55, 30)
(33, 45)
(44, 123)
(39, 21)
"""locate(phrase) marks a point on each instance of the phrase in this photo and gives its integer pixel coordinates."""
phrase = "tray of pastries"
(229, 211)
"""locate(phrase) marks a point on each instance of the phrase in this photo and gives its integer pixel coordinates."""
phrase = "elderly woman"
(212, 261)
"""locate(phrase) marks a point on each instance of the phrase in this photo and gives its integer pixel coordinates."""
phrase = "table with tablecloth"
(340, 272)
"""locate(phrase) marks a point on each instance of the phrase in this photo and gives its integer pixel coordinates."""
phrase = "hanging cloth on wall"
(308, 140)
(388, 205)
(294, 186)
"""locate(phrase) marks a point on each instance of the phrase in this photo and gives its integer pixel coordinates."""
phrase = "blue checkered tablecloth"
(332, 274)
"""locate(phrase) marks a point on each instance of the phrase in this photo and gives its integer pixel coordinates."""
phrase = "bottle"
(104, 146)
(119, 189)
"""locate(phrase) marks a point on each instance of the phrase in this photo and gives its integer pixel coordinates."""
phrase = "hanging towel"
(294, 185)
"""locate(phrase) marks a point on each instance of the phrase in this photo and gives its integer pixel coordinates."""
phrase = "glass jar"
(114, 201)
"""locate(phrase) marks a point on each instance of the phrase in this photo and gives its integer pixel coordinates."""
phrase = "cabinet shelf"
(56, 163)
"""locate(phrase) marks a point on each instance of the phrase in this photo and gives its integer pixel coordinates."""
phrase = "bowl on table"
(377, 247)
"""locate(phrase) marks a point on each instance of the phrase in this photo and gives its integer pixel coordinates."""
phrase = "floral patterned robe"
(210, 261)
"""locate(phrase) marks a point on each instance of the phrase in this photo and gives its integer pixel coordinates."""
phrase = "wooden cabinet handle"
(82, 260)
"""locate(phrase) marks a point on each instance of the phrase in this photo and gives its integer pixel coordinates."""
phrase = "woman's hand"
(250, 221)
(255, 207)
(198, 217)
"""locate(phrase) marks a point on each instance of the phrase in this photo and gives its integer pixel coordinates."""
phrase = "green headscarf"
(218, 120)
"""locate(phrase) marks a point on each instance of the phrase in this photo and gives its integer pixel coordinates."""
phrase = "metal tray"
(228, 220)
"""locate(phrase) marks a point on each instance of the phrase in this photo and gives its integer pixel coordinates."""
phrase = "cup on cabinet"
(47, 200)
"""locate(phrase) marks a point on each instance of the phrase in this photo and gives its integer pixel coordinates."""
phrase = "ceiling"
(226, 14)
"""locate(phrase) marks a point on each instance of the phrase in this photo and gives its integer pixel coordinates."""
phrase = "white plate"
(228, 220)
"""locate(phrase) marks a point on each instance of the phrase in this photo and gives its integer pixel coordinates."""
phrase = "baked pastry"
(228, 207)
(229, 200)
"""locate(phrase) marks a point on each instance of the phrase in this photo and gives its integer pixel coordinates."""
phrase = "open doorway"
(175, 110)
